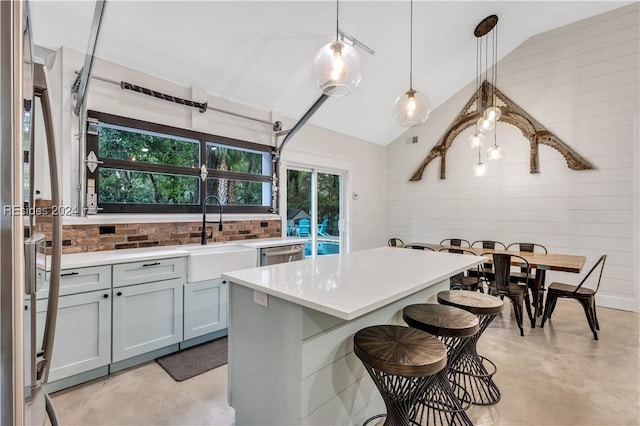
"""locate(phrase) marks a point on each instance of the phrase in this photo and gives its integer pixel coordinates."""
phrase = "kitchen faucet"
(203, 238)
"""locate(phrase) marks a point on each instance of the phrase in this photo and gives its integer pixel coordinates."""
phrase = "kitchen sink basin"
(210, 261)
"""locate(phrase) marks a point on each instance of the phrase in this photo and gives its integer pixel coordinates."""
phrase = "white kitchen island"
(292, 362)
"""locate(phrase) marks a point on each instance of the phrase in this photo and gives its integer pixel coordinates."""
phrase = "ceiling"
(260, 53)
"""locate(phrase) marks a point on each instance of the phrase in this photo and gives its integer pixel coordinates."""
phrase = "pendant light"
(336, 69)
(480, 168)
(495, 151)
(489, 115)
(411, 108)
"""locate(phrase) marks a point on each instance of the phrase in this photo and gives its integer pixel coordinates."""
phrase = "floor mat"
(196, 360)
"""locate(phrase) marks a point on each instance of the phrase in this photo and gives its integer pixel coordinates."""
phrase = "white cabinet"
(205, 307)
(83, 327)
(83, 333)
(146, 317)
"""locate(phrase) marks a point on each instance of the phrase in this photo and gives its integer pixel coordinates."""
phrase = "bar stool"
(401, 362)
(454, 327)
(468, 370)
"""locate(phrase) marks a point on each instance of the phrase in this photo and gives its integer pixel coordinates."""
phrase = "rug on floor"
(190, 362)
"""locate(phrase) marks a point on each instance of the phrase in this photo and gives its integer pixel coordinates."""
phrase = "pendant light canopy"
(411, 108)
(336, 69)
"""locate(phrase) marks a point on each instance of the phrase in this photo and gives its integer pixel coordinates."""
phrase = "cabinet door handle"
(150, 264)
(68, 274)
(119, 293)
(106, 296)
(224, 282)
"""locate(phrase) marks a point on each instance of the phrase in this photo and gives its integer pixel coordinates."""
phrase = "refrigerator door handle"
(56, 233)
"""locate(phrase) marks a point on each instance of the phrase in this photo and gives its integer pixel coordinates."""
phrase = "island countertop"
(350, 285)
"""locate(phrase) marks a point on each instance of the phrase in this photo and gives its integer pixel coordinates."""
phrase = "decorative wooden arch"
(512, 114)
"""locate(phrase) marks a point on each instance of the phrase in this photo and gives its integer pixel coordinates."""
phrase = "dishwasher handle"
(292, 251)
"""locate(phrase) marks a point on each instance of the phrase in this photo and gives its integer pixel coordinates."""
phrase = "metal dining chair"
(458, 242)
(487, 244)
(502, 285)
(519, 277)
(461, 281)
(418, 247)
(586, 297)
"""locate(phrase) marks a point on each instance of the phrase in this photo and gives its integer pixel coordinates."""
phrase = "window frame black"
(201, 137)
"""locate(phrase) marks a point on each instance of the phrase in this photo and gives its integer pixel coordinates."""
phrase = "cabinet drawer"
(149, 271)
(79, 280)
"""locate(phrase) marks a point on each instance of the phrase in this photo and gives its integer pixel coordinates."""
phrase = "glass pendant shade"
(479, 169)
(494, 152)
(493, 114)
(485, 125)
(476, 139)
(411, 108)
(336, 69)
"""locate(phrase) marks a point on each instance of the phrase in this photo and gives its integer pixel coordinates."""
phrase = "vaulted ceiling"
(260, 53)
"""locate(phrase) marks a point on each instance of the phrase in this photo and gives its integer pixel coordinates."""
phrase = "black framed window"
(151, 168)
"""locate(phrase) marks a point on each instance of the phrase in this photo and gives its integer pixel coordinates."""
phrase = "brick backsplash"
(85, 238)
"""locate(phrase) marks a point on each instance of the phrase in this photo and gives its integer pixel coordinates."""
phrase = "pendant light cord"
(337, 20)
(411, 48)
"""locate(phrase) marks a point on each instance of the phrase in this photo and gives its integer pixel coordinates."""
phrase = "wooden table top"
(537, 260)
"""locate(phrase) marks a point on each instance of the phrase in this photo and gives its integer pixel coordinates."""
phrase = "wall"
(582, 82)
(363, 161)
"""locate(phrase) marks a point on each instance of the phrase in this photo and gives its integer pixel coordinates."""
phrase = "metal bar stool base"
(473, 374)
(441, 406)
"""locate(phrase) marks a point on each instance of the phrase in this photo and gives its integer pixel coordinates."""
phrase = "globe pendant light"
(411, 108)
(336, 69)
(480, 168)
(495, 152)
(476, 139)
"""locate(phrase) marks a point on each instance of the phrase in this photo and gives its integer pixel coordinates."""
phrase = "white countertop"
(350, 285)
(109, 257)
(271, 242)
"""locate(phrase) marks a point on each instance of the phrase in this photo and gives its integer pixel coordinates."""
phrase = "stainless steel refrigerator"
(24, 362)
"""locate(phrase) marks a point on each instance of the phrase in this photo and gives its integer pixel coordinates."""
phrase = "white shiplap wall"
(582, 82)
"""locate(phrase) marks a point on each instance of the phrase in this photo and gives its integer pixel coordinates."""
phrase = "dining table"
(539, 261)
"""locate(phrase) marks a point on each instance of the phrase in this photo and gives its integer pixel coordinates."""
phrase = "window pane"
(125, 186)
(224, 158)
(239, 192)
(299, 203)
(328, 196)
(120, 143)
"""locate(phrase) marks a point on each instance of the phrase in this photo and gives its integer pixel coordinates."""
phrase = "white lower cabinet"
(205, 307)
(146, 317)
(83, 333)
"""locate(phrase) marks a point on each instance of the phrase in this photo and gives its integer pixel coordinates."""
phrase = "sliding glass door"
(314, 209)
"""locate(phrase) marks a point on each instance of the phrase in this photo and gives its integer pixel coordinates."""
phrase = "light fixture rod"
(348, 38)
(411, 48)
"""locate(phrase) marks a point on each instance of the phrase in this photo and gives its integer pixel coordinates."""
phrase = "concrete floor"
(555, 376)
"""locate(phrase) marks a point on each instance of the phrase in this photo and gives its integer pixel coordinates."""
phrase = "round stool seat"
(400, 350)
(441, 320)
(471, 301)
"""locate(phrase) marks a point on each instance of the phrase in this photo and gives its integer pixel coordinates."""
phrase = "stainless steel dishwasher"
(281, 254)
